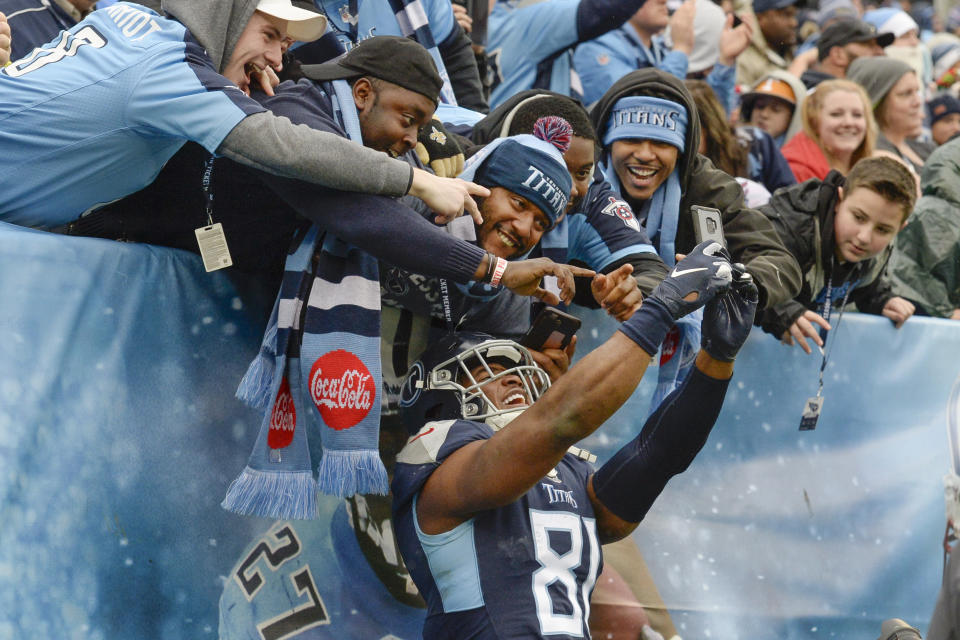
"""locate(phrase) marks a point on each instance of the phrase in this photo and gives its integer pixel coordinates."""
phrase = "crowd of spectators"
(815, 132)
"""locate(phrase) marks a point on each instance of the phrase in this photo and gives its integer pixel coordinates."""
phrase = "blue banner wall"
(119, 434)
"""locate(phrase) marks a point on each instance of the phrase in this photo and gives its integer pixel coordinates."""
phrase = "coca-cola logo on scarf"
(669, 346)
(283, 418)
(342, 388)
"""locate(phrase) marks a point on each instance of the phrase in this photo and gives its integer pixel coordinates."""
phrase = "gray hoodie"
(274, 144)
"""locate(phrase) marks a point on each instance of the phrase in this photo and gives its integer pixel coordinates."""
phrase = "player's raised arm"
(625, 487)
(491, 473)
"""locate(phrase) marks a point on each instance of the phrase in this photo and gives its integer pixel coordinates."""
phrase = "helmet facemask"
(455, 374)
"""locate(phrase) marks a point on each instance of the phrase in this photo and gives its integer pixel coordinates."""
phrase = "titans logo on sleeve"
(521, 571)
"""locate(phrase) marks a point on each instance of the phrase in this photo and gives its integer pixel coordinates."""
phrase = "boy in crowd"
(840, 232)
(944, 112)
(773, 104)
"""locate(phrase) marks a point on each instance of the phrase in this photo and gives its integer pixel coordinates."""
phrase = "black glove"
(439, 150)
(702, 275)
(727, 318)
(706, 271)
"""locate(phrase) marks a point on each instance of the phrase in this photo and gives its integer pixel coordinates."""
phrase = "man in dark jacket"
(648, 126)
(750, 237)
(840, 232)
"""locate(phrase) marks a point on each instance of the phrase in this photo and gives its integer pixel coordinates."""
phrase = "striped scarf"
(414, 23)
(318, 367)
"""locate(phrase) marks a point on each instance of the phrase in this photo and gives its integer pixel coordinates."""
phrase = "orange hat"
(776, 88)
(769, 86)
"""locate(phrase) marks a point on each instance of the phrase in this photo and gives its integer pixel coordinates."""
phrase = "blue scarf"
(414, 23)
(318, 367)
(646, 118)
(642, 117)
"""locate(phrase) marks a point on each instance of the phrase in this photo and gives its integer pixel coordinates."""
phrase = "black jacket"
(803, 217)
(750, 237)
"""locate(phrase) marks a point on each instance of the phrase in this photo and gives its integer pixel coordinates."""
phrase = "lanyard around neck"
(827, 311)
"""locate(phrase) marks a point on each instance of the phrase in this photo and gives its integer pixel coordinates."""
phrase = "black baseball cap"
(847, 30)
(402, 61)
(942, 106)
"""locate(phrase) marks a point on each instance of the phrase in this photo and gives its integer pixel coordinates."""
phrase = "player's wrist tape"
(649, 326)
(630, 482)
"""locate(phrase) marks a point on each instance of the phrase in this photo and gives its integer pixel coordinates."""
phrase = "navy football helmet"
(441, 386)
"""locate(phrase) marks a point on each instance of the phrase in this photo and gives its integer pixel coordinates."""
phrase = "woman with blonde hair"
(838, 130)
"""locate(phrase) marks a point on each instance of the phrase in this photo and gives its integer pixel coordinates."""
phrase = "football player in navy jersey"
(501, 528)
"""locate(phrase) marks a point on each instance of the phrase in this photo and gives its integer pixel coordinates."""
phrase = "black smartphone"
(708, 225)
(736, 21)
(552, 329)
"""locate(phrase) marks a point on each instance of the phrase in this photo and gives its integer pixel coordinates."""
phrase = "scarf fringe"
(345, 473)
(257, 383)
(282, 495)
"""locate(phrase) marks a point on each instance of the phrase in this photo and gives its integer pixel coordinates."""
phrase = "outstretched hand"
(695, 280)
(803, 328)
(524, 277)
(617, 292)
(447, 197)
(727, 318)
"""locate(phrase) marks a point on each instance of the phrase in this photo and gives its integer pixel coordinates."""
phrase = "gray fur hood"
(216, 24)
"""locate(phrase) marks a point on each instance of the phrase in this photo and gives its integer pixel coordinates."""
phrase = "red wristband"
(498, 272)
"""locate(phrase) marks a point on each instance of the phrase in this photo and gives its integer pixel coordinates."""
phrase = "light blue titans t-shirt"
(96, 113)
(529, 46)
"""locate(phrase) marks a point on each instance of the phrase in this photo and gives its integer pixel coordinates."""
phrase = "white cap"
(302, 25)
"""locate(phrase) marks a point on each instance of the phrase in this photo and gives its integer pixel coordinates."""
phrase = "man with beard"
(648, 127)
(774, 38)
